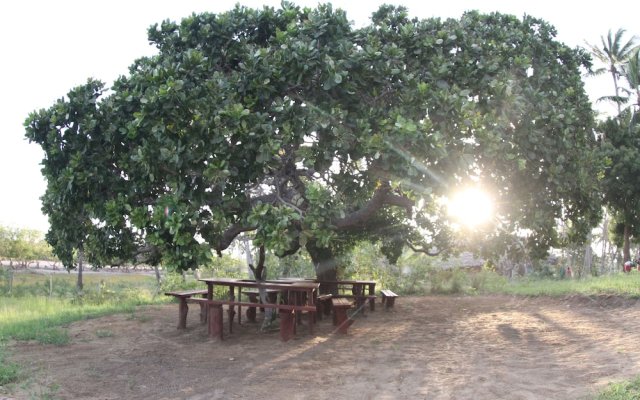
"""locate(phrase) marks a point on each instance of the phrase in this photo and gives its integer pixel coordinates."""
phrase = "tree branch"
(230, 234)
(381, 197)
(422, 250)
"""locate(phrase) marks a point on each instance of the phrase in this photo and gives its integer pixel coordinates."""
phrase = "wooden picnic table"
(298, 296)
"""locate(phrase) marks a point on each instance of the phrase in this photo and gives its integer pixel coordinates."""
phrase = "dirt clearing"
(484, 347)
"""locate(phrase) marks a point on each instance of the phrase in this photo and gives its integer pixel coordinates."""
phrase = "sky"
(49, 47)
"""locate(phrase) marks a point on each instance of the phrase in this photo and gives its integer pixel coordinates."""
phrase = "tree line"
(20, 247)
(619, 137)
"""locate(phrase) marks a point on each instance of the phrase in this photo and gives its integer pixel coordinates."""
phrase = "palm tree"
(631, 71)
(614, 55)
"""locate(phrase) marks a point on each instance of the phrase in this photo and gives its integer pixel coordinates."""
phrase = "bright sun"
(471, 207)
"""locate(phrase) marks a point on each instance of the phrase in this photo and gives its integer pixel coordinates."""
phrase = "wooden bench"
(323, 305)
(340, 318)
(287, 313)
(388, 298)
(360, 300)
(187, 296)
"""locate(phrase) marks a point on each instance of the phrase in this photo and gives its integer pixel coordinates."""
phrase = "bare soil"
(484, 347)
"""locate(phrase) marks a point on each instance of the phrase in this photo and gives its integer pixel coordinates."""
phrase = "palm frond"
(614, 99)
(631, 70)
(597, 72)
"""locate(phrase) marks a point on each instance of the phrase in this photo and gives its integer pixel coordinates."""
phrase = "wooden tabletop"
(280, 285)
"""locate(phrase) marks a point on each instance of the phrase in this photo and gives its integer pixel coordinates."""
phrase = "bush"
(297, 265)
(366, 262)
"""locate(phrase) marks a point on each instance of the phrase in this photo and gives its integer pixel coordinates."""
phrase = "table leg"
(358, 291)
(251, 311)
(231, 311)
(372, 292)
(310, 300)
(240, 307)
(183, 310)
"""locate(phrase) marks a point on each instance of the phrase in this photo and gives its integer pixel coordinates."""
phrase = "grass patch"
(627, 285)
(57, 336)
(39, 283)
(40, 318)
(9, 372)
(40, 306)
(456, 281)
(628, 390)
(104, 333)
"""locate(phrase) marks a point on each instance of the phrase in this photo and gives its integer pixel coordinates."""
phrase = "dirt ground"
(486, 347)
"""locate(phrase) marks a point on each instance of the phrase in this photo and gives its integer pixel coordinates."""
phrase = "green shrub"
(297, 265)
(57, 336)
(628, 390)
(458, 281)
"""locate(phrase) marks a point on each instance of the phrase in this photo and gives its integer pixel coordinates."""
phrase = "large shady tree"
(292, 124)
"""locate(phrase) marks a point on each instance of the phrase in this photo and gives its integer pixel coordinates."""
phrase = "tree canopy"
(312, 133)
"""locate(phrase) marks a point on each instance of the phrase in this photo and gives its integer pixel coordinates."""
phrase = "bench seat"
(186, 293)
(187, 296)
(360, 300)
(388, 298)
(340, 306)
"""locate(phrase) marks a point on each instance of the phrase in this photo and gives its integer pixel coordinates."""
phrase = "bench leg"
(203, 313)
(251, 314)
(183, 310)
(319, 310)
(390, 302)
(327, 308)
(215, 321)
(341, 320)
(287, 324)
(312, 321)
(231, 312)
(360, 304)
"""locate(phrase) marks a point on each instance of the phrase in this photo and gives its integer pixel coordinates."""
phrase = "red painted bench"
(340, 318)
(287, 314)
(187, 296)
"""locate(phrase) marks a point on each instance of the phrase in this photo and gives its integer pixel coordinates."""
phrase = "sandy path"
(485, 347)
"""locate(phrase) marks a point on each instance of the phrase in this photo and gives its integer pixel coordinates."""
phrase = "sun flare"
(471, 207)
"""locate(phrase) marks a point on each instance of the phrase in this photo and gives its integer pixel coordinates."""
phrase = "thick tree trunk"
(80, 284)
(325, 265)
(626, 250)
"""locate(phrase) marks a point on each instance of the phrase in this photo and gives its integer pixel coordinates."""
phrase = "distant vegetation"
(21, 246)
